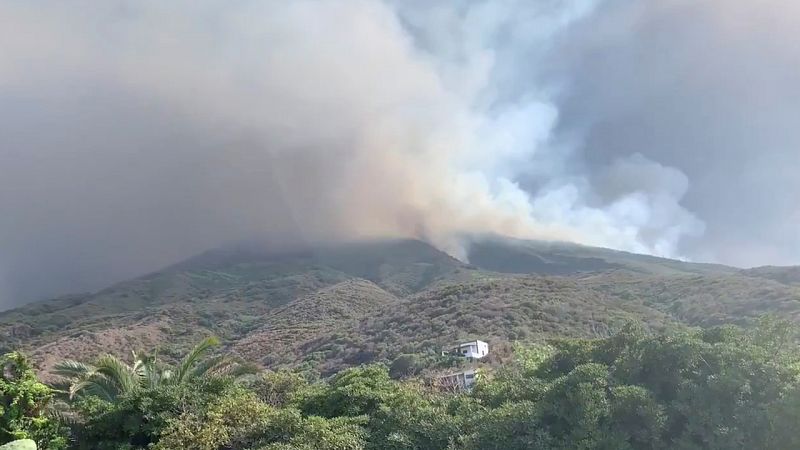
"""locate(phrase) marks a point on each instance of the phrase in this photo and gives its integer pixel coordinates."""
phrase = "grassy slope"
(785, 275)
(340, 305)
(284, 334)
(500, 310)
(556, 258)
(705, 300)
(228, 293)
(503, 310)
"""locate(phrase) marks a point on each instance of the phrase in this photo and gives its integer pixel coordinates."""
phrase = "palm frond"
(147, 371)
(70, 368)
(117, 372)
(62, 414)
(97, 386)
(61, 388)
(188, 361)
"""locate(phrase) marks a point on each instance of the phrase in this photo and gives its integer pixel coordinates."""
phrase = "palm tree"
(110, 377)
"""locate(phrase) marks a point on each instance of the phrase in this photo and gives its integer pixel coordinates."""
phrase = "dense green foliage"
(24, 403)
(715, 388)
(720, 388)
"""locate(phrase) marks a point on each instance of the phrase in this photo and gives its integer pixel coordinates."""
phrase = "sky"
(136, 133)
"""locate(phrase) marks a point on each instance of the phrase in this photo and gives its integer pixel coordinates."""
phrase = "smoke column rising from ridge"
(138, 133)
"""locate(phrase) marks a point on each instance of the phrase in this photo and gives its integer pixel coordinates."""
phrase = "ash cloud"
(136, 133)
(706, 87)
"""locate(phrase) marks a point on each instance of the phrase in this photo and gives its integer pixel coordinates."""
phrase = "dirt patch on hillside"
(86, 345)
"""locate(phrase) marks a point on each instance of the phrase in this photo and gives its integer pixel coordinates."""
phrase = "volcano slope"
(330, 307)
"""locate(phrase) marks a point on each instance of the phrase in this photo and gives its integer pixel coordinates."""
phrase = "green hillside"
(503, 254)
(703, 300)
(334, 306)
(785, 275)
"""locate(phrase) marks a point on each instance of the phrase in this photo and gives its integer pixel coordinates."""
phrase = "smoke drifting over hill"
(135, 133)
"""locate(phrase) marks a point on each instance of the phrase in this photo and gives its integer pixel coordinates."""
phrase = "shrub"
(24, 406)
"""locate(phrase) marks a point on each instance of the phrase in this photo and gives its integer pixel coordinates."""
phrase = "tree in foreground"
(25, 406)
(719, 388)
(109, 377)
(710, 389)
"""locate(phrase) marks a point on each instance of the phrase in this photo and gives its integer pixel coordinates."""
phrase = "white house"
(459, 381)
(473, 349)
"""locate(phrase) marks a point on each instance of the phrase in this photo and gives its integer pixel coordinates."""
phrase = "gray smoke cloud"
(135, 133)
(709, 88)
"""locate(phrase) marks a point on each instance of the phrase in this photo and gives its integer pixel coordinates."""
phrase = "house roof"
(471, 343)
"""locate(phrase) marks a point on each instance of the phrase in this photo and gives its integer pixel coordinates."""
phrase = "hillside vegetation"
(704, 389)
(330, 307)
(785, 275)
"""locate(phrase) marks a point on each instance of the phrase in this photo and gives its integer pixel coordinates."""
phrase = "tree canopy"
(716, 388)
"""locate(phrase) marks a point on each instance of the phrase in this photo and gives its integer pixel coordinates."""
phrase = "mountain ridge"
(339, 305)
